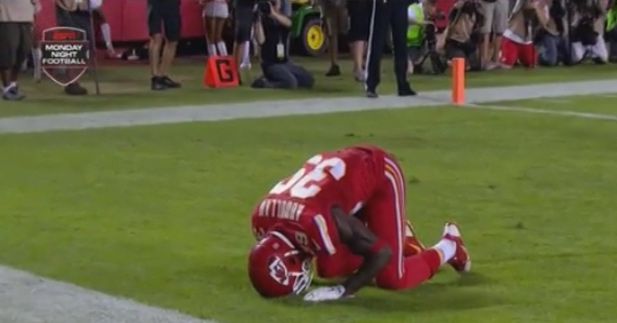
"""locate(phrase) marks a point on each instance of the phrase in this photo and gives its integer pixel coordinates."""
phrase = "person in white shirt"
(215, 13)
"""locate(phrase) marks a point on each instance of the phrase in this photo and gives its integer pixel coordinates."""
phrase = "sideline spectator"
(550, 38)
(273, 35)
(73, 13)
(163, 13)
(244, 18)
(214, 14)
(465, 21)
(335, 15)
(359, 13)
(391, 13)
(495, 14)
(16, 18)
(517, 44)
(588, 31)
(101, 20)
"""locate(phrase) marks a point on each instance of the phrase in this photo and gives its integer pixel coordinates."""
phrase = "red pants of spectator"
(511, 52)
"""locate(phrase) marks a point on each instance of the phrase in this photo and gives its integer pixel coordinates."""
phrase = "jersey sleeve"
(325, 234)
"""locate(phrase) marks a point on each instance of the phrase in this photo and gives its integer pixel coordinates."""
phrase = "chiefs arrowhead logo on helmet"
(277, 268)
(279, 272)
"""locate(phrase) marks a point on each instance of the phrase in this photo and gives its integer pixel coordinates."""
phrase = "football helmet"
(276, 268)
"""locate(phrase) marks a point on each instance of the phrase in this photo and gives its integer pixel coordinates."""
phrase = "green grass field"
(127, 86)
(160, 214)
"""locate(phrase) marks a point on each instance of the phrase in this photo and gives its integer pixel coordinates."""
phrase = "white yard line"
(610, 96)
(584, 115)
(26, 298)
(555, 100)
(264, 109)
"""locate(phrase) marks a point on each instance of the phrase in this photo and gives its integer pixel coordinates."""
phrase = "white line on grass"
(264, 109)
(555, 100)
(584, 115)
(26, 298)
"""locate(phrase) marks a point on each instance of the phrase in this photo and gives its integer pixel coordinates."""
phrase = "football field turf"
(160, 214)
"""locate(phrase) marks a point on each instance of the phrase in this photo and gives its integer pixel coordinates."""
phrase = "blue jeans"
(552, 50)
(287, 76)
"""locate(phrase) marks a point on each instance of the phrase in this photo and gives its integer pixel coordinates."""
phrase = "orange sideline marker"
(221, 72)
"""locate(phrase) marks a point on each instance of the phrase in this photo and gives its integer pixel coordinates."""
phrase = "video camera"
(438, 65)
(264, 7)
(468, 7)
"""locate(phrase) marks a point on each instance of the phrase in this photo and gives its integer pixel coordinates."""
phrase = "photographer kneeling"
(550, 38)
(462, 32)
(272, 33)
(421, 36)
(587, 31)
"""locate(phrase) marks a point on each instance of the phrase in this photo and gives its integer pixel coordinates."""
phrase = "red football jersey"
(300, 206)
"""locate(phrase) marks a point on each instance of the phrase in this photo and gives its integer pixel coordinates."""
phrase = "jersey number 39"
(305, 183)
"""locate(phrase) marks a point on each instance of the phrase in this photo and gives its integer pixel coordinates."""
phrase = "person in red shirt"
(346, 210)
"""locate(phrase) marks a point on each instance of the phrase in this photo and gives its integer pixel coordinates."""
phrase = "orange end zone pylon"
(458, 81)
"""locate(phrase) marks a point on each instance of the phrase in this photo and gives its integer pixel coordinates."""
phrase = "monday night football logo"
(66, 54)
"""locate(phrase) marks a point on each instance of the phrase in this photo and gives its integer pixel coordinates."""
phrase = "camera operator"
(550, 38)
(421, 28)
(273, 30)
(587, 27)
(462, 33)
(517, 44)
